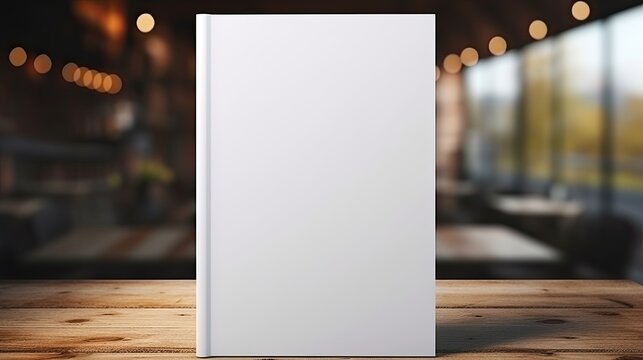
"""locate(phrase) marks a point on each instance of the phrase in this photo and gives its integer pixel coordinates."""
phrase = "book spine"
(203, 186)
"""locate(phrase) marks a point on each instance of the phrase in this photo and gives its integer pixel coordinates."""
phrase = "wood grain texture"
(98, 294)
(539, 294)
(476, 319)
(475, 356)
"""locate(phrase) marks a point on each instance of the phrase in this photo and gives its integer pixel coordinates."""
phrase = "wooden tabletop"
(548, 319)
(536, 206)
(490, 243)
(97, 244)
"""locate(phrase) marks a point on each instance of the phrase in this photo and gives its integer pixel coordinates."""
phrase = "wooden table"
(490, 243)
(538, 319)
(536, 206)
(113, 252)
(494, 252)
(541, 217)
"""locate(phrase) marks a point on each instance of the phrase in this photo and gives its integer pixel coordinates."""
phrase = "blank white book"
(315, 185)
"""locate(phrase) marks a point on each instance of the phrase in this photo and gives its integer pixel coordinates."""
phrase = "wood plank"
(98, 294)
(465, 356)
(459, 330)
(91, 318)
(538, 330)
(450, 294)
(133, 339)
(539, 294)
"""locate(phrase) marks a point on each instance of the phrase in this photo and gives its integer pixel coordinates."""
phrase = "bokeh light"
(68, 71)
(79, 74)
(88, 78)
(469, 56)
(42, 64)
(145, 23)
(116, 84)
(18, 56)
(452, 64)
(580, 10)
(538, 29)
(497, 45)
(97, 82)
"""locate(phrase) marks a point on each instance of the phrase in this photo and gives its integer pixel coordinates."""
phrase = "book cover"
(315, 185)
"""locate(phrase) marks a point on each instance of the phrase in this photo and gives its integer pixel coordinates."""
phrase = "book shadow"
(487, 334)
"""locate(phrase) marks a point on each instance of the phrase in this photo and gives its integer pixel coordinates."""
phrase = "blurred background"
(539, 133)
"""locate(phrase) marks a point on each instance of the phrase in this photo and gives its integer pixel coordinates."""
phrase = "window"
(627, 78)
(580, 65)
(538, 112)
(503, 90)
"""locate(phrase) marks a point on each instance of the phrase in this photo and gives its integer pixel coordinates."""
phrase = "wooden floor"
(476, 319)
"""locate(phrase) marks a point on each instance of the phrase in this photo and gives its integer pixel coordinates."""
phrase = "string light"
(17, 56)
(116, 84)
(145, 23)
(79, 74)
(469, 56)
(97, 82)
(580, 10)
(452, 64)
(107, 83)
(497, 45)
(538, 29)
(68, 71)
(88, 78)
(42, 64)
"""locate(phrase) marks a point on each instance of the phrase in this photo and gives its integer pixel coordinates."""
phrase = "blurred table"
(117, 252)
(154, 319)
(491, 243)
(540, 217)
(455, 187)
(535, 206)
(494, 251)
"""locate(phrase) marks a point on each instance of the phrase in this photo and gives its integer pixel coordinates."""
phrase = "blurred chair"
(26, 224)
(605, 242)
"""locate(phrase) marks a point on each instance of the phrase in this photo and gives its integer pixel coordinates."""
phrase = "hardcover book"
(315, 185)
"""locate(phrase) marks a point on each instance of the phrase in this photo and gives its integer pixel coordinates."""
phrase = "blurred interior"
(539, 130)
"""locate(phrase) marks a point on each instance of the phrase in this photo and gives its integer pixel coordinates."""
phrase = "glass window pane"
(538, 112)
(476, 86)
(503, 86)
(625, 30)
(580, 60)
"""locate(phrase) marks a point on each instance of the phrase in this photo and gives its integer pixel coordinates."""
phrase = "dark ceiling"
(460, 23)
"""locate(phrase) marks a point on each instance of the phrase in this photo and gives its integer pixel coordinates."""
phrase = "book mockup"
(315, 185)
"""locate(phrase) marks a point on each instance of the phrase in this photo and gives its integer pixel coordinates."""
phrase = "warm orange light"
(68, 71)
(100, 86)
(452, 64)
(42, 64)
(107, 83)
(88, 78)
(580, 10)
(97, 82)
(116, 84)
(538, 29)
(469, 56)
(497, 45)
(79, 74)
(437, 73)
(145, 23)
(114, 24)
(18, 56)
